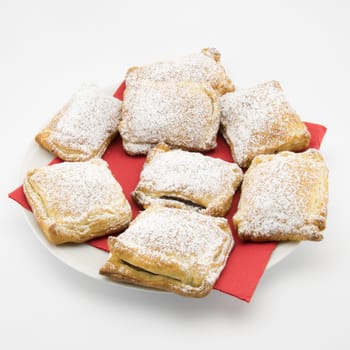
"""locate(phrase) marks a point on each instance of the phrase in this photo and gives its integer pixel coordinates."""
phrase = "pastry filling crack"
(187, 202)
(144, 271)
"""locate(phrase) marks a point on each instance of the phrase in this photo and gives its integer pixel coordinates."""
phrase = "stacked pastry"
(172, 111)
(175, 102)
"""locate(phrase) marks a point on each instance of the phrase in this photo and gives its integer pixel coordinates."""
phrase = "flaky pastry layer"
(181, 114)
(171, 249)
(84, 127)
(75, 202)
(203, 67)
(189, 180)
(259, 120)
(284, 197)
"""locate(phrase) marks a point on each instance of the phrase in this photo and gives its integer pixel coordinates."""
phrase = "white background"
(49, 48)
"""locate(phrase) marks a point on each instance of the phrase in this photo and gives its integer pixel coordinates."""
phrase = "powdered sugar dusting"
(181, 114)
(275, 197)
(87, 121)
(199, 67)
(79, 190)
(179, 237)
(191, 176)
(254, 120)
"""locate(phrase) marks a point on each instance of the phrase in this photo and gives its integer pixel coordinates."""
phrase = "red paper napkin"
(247, 261)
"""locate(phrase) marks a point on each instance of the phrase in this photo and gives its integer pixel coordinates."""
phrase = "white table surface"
(49, 49)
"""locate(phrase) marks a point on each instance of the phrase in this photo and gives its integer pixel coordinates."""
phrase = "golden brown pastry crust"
(283, 197)
(188, 180)
(181, 114)
(75, 202)
(84, 127)
(259, 120)
(203, 67)
(171, 249)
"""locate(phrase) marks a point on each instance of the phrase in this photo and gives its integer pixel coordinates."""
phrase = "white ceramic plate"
(83, 257)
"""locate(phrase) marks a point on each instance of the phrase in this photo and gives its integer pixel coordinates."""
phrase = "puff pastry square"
(84, 127)
(171, 249)
(203, 67)
(259, 120)
(181, 114)
(284, 197)
(74, 202)
(187, 180)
